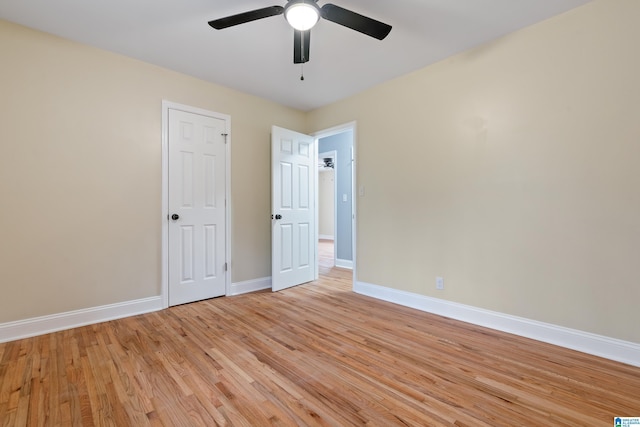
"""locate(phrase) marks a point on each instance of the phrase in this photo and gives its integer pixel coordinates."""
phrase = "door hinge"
(225, 266)
(225, 137)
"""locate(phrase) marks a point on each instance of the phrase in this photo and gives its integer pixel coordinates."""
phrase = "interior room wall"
(511, 171)
(80, 173)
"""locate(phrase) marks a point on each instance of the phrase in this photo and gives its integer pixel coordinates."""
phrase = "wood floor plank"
(314, 355)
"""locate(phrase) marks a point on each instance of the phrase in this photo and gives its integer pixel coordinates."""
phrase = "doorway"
(327, 182)
(336, 216)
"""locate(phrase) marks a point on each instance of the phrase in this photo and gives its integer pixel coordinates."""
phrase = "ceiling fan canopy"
(302, 15)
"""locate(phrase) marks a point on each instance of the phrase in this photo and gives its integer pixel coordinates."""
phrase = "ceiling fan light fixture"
(302, 16)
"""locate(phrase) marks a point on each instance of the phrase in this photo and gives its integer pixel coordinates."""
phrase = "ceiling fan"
(302, 15)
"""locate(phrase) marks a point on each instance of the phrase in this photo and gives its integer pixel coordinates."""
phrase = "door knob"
(278, 216)
(175, 217)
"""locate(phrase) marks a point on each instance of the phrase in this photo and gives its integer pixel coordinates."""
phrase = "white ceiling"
(257, 57)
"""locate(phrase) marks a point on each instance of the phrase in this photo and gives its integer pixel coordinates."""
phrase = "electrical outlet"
(439, 283)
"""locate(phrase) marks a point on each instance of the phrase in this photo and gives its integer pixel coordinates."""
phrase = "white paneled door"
(197, 212)
(293, 208)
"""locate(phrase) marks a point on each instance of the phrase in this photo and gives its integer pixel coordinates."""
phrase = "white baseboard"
(250, 286)
(11, 331)
(597, 345)
(344, 263)
(325, 237)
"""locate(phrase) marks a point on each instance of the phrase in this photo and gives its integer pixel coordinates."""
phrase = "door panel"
(293, 196)
(197, 200)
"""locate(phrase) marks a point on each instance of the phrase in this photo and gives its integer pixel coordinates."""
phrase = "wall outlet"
(439, 283)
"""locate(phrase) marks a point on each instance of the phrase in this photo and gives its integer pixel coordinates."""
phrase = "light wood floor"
(326, 259)
(316, 355)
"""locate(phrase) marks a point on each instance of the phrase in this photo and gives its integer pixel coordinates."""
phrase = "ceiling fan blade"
(242, 18)
(355, 21)
(301, 43)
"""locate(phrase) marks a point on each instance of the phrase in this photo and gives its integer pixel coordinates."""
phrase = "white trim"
(325, 237)
(164, 271)
(247, 286)
(335, 130)
(597, 345)
(164, 279)
(72, 319)
(344, 263)
(228, 207)
(354, 204)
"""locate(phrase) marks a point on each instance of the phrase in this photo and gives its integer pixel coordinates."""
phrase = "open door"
(293, 243)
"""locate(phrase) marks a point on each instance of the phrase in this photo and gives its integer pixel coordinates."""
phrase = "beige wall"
(80, 173)
(511, 170)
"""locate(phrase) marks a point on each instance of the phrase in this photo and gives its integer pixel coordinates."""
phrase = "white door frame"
(350, 126)
(166, 106)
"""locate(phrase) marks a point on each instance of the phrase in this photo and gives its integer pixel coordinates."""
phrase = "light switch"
(361, 191)
(344, 197)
